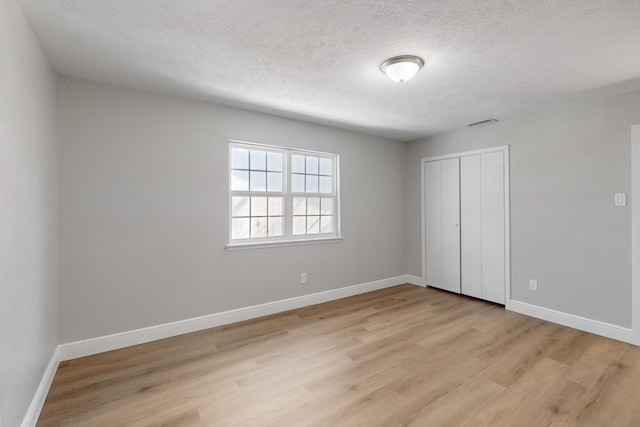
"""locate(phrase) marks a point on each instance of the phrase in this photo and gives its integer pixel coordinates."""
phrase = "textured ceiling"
(317, 60)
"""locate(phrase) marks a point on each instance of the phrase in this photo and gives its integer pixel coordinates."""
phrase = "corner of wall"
(635, 232)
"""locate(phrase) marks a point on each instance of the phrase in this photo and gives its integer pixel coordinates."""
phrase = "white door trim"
(635, 233)
(507, 216)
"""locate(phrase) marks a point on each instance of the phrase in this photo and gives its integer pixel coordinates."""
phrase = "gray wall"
(144, 221)
(28, 214)
(566, 165)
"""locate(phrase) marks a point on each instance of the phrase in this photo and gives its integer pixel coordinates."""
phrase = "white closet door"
(442, 224)
(493, 218)
(451, 225)
(465, 217)
(471, 221)
(482, 219)
(433, 223)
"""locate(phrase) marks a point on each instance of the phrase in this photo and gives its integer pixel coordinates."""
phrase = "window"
(281, 195)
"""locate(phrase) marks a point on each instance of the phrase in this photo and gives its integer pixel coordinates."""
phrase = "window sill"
(261, 245)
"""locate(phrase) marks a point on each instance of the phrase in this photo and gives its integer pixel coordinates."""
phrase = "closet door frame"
(507, 217)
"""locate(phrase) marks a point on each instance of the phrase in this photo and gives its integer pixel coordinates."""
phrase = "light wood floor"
(404, 356)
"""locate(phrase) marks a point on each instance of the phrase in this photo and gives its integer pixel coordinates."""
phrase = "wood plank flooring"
(404, 356)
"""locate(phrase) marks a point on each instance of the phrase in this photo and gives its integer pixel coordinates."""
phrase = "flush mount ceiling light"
(402, 68)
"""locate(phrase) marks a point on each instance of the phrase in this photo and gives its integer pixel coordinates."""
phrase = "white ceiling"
(317, 60)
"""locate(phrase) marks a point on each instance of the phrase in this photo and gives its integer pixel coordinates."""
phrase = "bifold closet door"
(482, 203)
(442, 224)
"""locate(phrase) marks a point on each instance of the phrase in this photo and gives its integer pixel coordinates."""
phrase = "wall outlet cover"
(620, 199)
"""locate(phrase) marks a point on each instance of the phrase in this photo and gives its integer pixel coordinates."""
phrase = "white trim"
(423, 210)
(577, 322)
(414, 280)
(272, 244)
(279, 147)
(504, 148)
(507, 229)
(507, 212)
(101, 344)
(33, 413)
(635, 233)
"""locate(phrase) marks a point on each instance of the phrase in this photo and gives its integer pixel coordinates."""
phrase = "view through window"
(281, 194)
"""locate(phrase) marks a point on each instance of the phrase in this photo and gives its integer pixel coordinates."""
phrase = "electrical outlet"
(533, 285)
(303, 277)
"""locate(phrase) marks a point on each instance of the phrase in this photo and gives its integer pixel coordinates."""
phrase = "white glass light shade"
(402, 68)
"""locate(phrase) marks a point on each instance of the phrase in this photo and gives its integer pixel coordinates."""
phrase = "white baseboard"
(577, 322)
(74, 350)
(31, 418)
(414, 280)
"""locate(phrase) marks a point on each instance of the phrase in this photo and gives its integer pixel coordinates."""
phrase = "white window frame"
(287, 238)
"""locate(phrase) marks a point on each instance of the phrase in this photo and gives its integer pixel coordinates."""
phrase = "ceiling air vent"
(482, 123)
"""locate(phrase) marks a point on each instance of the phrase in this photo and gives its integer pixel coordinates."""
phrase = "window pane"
(312, 184)
(258, 181)
(239, 206)
(281, 193)
(239, 180)
(299, 206)
(313, 224)
(258, 160)
(274, 161)
(326, 224)
(275, 206)
(326, 207)
(258, 206)
(313, 206)
(299, 225)
(239, 158)
(297, 183)
(312, 165)
(259, 227)
(325, 184)
(274, 181)
(275, 226)
(297, 163)
(326, 167)
(240, 228)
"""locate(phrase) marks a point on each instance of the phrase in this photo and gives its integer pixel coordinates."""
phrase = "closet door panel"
(433, 223)
(493, 256)
(451, 225)
(471, 225)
